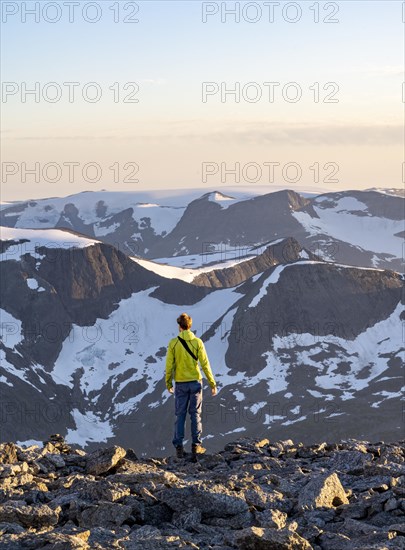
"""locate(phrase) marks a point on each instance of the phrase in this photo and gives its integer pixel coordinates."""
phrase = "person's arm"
(205, 365)
(169, 367)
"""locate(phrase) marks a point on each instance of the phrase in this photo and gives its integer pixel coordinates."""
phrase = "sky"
(138, 95)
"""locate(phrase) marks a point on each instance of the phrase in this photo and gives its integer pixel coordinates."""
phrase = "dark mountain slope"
(282, 252)
(247, 222)
(311, 298)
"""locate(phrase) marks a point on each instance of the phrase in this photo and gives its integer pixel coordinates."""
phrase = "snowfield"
(366, 354)
(35, 238)
(184, 273)
(45, 213)
(368, 232)
(118, 351)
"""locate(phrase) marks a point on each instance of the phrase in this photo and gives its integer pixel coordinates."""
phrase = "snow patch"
(10, 329)
(89, 428)
(102, 231)
(272, 279)
(185, 274)
(33, 285)
(239, 395)
(30, 443)
(224, 201)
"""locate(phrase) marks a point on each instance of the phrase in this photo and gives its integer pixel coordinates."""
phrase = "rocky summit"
(254, 494)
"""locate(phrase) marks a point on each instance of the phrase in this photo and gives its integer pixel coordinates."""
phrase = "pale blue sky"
(171, 132)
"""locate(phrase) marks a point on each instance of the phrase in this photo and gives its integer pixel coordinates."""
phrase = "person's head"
(184, 321)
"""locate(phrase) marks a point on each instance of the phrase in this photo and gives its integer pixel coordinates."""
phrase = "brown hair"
(185, 321)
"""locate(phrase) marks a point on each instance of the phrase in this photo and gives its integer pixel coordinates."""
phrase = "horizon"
(190, 194)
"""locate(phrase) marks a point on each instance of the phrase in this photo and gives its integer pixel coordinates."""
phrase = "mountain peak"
(219, 198)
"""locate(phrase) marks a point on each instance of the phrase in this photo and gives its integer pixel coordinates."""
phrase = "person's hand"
(214, 390)
(170, 390)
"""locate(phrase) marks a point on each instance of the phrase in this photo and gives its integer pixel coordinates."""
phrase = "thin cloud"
(260, 133)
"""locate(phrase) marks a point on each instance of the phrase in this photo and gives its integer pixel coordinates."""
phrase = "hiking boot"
(180, 451)
(197, 449)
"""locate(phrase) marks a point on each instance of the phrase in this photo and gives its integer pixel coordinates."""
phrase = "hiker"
(183, 355)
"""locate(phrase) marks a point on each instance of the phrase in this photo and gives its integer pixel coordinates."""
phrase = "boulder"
(187, 519)
(271, 518)
(105, 514)
(29, 516)
(103, 460)
(8, 453)
(258, 538)
(213, 502)
(323, 491)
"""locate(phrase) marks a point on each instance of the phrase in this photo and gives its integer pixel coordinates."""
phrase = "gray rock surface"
(256, 494)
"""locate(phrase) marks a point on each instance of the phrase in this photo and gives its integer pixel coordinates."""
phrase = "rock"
(385, 519)
(271, 518)
(101, 490)
(147, 496)
(105, 514)
(351, 462)
(54, 541)
(214, 502)
(16, 481)
(29, 516)
(154, 541)
(376, 483)
(57, 442)
(103, 539)
(310, 533)
(144, 533)
(61, 498)
(8, 453)
(130, 455)
(389, 468)
(391, 504)
(398, 528)
(137, 475)
(103, 460)
(255, 496)
(187, 519)
(322, 491)
(262, 443)
(10, 528)
(357, 509)
(352, 528)
(237, 521)
(56, 459)
(9, 470)
(158, 514)
(137, 506)
(334, 541)
(244, 444)
(257, 538)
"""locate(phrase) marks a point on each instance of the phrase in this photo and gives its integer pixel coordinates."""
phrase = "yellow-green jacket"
(181, 366)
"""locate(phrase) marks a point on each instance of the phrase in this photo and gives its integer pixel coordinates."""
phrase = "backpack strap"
(185, 346)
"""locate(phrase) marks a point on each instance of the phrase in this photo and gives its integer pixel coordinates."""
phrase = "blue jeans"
(188, 397)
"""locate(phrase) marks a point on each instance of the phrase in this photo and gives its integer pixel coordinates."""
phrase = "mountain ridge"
(351, 227)
(86, 329)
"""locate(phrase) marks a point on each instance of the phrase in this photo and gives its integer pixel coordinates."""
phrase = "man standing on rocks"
(183, 355)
